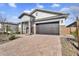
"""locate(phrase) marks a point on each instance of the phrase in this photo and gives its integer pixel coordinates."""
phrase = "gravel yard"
(4, 38)
(67, 47)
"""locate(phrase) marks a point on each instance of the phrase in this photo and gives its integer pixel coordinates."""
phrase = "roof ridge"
(47, 11)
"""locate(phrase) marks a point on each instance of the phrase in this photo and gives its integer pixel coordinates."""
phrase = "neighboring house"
(42, 22)
(71, 28)
(8, 27)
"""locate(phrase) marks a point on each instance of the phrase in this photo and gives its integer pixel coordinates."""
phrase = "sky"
(13, 10)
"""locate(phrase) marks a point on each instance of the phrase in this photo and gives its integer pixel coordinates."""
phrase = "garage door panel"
(47, 28)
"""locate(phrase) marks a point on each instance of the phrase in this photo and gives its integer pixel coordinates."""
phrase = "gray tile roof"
(25, 14)
(43, 10)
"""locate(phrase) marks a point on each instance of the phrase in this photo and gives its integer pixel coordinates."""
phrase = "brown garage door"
(48, 28)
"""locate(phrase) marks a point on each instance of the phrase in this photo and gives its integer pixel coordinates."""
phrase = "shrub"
(17, 32)
(12, 37)
(6, 33)
(74, 34)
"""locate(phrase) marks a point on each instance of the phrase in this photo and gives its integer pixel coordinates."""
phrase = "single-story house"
(8, 27)
(70, 28)
(73, 26)
(41, 21)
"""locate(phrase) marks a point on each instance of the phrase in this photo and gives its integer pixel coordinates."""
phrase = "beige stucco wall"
(25, 25)
(62, 23)
(25, 18)
(62, 26)
(63, 29)
(42, 14)
(54, 20)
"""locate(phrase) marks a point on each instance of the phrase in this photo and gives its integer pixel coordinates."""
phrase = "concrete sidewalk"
(32, 45)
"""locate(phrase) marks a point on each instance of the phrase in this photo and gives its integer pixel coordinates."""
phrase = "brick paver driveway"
(30, 45)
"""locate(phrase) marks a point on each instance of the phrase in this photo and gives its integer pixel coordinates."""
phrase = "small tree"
(77, 30)
(8, 28)
(3, 20)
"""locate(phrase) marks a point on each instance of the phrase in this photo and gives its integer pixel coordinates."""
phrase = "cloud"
(28, 11)
(75, 7)
(12, 18)
(12, 5)
(72, 10)
(15, 18)
(39, 6)
(55, 5)
(64, 9)
(73, 13)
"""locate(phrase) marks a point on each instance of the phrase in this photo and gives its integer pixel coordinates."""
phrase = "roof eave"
(25, 14)
(70, 25)
(47, 11)
(53, 17)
